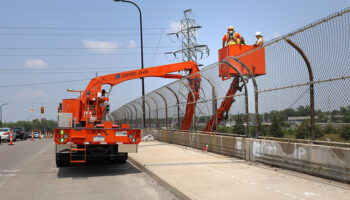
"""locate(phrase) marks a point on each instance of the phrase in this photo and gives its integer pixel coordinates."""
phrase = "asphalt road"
(28, 171)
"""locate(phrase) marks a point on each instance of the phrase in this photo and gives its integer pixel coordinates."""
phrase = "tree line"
(276, 124)
(35, 124)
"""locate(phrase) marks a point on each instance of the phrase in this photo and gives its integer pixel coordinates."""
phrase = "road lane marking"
(42, 151)
(310, 194)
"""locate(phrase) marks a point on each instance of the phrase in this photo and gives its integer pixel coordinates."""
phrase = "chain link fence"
(304, 94)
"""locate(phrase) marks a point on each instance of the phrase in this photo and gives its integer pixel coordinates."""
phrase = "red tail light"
(6, 133)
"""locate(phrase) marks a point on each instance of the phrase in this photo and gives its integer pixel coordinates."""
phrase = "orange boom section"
(255, 61)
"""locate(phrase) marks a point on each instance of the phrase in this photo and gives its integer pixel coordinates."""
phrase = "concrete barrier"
(324, 161)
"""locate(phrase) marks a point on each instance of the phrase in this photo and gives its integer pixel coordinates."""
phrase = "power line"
(79, 35)
(31, 103)
(43, 83)
(77, 48)
(64, 72)
(116, 54)
(84, 9)
(156, 51)
(63, 68)
(79, 28)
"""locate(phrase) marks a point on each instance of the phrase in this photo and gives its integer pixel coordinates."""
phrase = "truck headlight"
(61, 140)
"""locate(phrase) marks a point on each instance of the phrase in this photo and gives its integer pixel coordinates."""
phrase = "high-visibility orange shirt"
(226, 35)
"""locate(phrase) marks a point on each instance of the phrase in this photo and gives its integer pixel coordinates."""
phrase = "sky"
(63, 44)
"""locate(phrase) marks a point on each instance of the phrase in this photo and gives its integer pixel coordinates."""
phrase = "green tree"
(346, 118)
(36, 125)
(239, 128)
(223, 129)
(303, 131)
(276, 128)
(345, 132)
(329, 129)
(303, 111)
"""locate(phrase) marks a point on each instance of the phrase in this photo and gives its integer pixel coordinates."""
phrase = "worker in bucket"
(260, 40)
(242, 41)
(231, 37)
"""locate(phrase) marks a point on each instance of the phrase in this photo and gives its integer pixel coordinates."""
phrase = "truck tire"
(62, 160)
(123, 159)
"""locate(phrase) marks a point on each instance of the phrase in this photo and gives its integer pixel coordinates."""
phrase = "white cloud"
(27, 93)
(36, 64)
(175, 26)
(132, 44)
(101, 46)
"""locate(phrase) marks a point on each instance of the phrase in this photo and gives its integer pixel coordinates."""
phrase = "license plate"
(121, 133)
(99, 138)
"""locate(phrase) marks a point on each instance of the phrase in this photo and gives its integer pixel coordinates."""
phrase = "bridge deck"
(196, 175)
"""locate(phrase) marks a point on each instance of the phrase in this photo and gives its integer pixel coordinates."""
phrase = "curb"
(161, 181)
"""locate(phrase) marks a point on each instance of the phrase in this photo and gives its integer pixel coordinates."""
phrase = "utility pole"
(142, 79)
(3, 104)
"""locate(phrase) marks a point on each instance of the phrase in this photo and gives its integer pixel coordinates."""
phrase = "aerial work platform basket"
(255, 61)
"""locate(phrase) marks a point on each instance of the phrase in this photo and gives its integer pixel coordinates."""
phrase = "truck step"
(78, 161)
(78, 150)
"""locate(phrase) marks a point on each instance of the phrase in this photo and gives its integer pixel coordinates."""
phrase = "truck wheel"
(123, 159)
(62, 160)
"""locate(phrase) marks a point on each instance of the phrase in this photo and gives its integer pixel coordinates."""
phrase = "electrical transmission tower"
(190, 50)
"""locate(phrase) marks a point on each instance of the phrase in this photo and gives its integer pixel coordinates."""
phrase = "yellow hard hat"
(230, 28)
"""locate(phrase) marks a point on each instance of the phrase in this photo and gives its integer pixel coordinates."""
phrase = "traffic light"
(42, 109)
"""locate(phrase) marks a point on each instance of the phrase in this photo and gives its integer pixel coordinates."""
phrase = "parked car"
(29, 134)
(20, 132)
(36, 135)
(5, 134)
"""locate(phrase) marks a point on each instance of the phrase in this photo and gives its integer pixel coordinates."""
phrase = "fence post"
(178, 107)
(135, 113)
(149, 113)
(131, 117)
(155, 102)
(125, 115)
(245, 94)
(194, 100)
(311, 79)
(256, 95)
(166, 109)
(143, 111)
(214, 99)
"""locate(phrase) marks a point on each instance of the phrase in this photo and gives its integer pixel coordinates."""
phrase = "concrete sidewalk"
(192, 174)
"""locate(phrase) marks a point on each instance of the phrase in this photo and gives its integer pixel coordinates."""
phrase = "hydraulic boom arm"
(93, 100)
